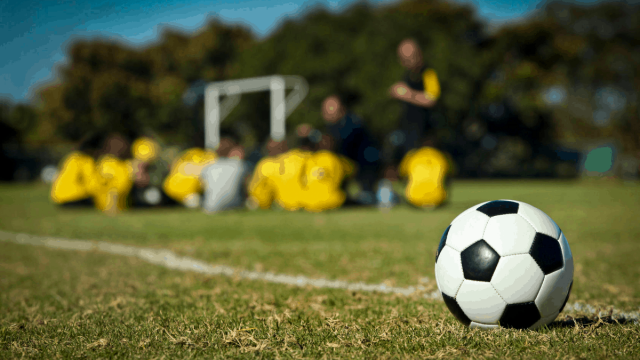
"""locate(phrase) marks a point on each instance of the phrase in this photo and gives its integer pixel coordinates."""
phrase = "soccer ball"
(504, 263)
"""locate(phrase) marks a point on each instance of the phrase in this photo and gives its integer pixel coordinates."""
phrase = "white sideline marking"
(171, 260)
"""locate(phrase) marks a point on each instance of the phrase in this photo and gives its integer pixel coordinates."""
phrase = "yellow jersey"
(73, 182)
(287, 179)
(112, 183)
(426, 169)
(262, 190)
(184, 177)
(322, 177)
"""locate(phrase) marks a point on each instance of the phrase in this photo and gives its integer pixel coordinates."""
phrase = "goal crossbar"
(281, 107)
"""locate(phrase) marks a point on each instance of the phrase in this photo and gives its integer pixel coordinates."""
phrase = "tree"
(565, 75)
(354, 52)
(107, 86)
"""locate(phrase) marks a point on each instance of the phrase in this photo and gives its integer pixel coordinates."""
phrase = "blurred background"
(541, 89)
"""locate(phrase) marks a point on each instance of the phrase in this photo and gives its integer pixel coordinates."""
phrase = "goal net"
(216, 108)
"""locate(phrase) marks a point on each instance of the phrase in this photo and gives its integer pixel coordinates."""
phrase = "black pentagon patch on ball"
(455, 309)
(479, 261)
(443, 241)
(567, 298)
(547, 253)
(520, 316)
(499, 207)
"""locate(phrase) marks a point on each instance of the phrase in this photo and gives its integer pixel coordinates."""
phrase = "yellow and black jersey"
(74, 179)
(112, 183)
(426, 169)
(184, 177)
(323, 175)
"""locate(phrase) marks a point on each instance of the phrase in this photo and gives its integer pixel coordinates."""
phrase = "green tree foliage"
(17, 122)
(590, 53)
(354, 52)
(577, 49)
(111, 87)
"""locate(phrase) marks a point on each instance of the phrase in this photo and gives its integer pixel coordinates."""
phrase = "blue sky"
(34, 34)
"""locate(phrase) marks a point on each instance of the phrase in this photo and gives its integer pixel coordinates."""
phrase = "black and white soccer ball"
(504, 263)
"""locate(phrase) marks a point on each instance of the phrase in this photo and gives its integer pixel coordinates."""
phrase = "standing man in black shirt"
(419, 92)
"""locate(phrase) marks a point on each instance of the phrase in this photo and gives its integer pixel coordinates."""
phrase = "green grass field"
(69, 304)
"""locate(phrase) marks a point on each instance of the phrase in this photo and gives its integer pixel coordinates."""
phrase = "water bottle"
(385, 195)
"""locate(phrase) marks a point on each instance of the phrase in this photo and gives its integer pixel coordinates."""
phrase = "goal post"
(215, 111)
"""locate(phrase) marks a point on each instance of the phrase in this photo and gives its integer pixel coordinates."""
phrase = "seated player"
(323, 175)
(183, 182)
(278, 179)
(72, 186)
(261, 190)
(224, 181)
(114, 176)
(112, 184)
(427, 170)
(286, 177)
(144, 150)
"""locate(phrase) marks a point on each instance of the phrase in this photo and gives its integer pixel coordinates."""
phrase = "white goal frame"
(215, 111)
